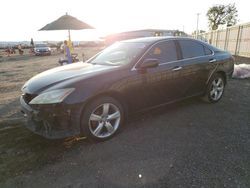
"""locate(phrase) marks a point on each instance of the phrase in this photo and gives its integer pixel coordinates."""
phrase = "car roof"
(152, 40)
(43, 44)
(148, 39)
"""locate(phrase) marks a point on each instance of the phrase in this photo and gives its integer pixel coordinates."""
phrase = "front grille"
(28, 97)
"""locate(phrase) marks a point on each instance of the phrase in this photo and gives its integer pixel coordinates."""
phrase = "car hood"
(42, 48)
(58, 75)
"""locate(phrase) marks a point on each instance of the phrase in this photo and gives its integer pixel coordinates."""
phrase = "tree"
(222, 15)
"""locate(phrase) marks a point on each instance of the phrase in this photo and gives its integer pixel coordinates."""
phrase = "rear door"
(196, 62)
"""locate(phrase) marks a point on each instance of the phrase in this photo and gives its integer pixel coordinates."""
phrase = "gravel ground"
(187, 144)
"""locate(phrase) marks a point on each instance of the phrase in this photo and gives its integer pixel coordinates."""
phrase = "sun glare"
(109, 16)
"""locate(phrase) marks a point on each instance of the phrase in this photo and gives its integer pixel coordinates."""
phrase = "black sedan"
(93, 98)
(42, 49)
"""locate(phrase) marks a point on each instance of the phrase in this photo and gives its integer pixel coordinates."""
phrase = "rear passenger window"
(163, 51)
(192, 49)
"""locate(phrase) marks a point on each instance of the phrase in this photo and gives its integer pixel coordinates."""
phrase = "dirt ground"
(188, 144)
(17, 69)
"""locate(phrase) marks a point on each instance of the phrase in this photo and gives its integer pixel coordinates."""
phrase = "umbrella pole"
(69, 35)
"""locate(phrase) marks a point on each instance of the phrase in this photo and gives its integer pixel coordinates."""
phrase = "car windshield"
(120, 53)
(41, 45)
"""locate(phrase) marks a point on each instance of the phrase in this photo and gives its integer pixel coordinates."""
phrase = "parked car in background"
(42, 49)
(95, 97)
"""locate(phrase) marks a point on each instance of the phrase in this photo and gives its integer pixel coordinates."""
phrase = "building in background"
(142, 33)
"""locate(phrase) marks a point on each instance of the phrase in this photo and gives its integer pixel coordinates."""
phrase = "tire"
(215, 89)
(102, 119)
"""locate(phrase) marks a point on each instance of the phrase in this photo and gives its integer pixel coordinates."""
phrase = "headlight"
(51, 97)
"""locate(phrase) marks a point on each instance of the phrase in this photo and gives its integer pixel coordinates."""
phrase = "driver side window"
(163, 51)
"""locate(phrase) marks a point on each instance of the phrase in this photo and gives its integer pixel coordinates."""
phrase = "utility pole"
(197, 26)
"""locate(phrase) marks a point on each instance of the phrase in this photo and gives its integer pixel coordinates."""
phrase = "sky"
(21, 19)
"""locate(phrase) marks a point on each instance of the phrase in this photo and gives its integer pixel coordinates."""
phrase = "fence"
(235, 39)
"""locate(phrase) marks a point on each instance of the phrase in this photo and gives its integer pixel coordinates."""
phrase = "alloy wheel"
(217, 89)
(104, 120)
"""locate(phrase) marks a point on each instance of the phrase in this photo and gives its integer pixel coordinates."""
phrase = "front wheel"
(102, 118)
(215, 88)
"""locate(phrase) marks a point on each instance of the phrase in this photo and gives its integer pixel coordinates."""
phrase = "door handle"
(176, 68)
(212, 60)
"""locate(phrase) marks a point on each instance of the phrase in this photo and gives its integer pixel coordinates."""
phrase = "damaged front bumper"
(52, 121)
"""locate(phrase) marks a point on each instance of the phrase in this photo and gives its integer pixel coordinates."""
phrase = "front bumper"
(42, 52)
(52, 121)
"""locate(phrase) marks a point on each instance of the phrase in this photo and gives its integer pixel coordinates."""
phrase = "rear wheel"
(215, 88)
(102, 118)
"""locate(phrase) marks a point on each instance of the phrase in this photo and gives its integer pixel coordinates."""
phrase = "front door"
(164, 83)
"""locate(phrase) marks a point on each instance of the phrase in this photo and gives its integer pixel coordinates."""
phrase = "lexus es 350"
(94, 97)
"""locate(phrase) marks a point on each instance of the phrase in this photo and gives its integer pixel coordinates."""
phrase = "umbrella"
(67, 22)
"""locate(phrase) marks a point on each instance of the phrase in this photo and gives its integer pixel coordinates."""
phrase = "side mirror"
(149, 63)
